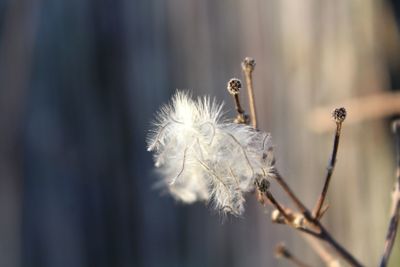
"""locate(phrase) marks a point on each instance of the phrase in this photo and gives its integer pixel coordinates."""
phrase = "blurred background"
(80, 81)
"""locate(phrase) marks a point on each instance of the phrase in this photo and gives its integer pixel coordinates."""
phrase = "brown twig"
(322, 252)
(248, 66)
(302, 208)
(323, 233)
(234, 86)
(278, 206)
(282, 252)
(395, 210)
(326, 236)
(323, 211)
(339, 116)
(238, 106)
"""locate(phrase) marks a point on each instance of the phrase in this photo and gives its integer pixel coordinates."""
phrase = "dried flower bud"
(248, 64)
(339, 114)
(234, 86)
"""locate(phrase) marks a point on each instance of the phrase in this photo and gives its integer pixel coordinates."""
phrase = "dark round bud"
(248, 64)
(234, 86)
(339, 114)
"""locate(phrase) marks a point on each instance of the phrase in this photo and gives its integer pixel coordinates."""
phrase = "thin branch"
(248, 66)
(282, 252)
(308, 232)
(322, 252)
(339, 115)
(326, 236)
(323, 211)
(302, 208)
(278, 206)
(238, 106)
(395, 210)
(234, 86)
(323, 234)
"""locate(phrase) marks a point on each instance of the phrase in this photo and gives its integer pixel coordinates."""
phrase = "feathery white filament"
(203, 158)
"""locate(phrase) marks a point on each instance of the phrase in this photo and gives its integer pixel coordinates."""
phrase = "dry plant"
(203, 157)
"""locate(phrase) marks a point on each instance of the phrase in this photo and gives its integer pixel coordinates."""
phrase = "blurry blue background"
(80, 81)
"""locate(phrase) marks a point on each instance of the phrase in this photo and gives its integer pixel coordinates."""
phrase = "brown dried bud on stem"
(339, 114)
(234, 85)
(248, 64)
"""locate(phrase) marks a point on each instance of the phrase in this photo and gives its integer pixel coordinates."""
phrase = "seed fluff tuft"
(202, 157)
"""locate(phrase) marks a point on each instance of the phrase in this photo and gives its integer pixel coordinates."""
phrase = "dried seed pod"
(248, 64)
(234, 85)
(339, 114)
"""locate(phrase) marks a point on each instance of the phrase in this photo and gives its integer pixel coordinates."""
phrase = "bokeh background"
(80, 81)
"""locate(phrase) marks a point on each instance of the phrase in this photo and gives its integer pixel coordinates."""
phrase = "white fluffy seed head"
(203, 158)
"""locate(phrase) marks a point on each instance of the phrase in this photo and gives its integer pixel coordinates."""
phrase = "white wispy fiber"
(202, 157)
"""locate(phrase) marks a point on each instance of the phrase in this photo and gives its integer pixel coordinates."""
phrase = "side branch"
(300, 206)
(339, 116)
(323, 233)
(326, 236)
(395, 210)
(248, 66)
(322, 252)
